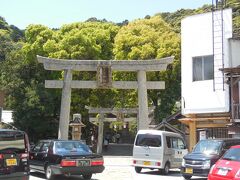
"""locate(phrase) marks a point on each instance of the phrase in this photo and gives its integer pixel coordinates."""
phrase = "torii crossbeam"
(101, 119)
(104, 69)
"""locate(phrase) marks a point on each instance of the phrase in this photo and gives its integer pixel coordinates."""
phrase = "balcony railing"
(236, 112)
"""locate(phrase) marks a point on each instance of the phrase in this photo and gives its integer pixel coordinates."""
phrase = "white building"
(208, 48)
(7, 117)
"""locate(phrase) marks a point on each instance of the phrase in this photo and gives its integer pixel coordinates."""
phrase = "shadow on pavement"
(118, 150)
(157, 172)
(42, 176)
(174, 173)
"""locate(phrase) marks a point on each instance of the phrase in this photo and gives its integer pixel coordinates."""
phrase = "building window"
(203, 68)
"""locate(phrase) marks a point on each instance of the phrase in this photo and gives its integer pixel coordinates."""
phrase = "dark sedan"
(65, 157)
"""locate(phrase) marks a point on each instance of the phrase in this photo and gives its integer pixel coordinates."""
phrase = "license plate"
(83, 163)
(11, 162)
(147, 163)
(189, 170)
(222, 172)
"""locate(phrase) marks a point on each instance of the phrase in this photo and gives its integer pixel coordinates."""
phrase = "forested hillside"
(9, 35)
(174, 19)
(36, 109)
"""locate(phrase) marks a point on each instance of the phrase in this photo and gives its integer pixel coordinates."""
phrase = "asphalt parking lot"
(120, 168)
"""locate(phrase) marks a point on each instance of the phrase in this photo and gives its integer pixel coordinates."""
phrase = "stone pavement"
(116, 168)
(118, 150)
(117, 162)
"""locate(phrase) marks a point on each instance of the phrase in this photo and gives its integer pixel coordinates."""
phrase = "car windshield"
(232, 154)
(208, 147)
(71, 147)
(12, 141)
(148, 140)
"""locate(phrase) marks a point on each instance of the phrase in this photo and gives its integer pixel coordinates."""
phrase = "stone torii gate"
(104, 70)
(118, 111)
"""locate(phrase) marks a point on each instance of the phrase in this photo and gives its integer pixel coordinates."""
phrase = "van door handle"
(146, 154)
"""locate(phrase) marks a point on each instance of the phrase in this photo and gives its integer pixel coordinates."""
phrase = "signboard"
(202, 135)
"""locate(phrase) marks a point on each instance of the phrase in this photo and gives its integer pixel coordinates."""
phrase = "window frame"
(203, 76)
(170, 140)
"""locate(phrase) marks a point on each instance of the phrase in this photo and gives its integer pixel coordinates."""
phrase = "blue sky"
(55, 13)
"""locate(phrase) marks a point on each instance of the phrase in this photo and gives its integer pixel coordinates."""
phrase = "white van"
(155, 149)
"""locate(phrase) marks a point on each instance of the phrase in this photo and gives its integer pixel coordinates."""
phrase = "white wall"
(234, 52)
(7, 116)
(197, 40)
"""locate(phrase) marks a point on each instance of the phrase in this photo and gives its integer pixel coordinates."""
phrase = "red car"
(228, 167)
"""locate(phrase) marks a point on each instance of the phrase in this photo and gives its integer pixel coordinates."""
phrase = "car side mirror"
(32, 145)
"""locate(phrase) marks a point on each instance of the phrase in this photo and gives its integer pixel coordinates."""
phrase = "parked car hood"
(200, 156)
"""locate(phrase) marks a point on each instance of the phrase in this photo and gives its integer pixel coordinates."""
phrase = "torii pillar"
(104, 69)
(65, 105)
(142, 100)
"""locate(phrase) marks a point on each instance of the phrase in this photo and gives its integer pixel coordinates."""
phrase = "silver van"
(155, 149)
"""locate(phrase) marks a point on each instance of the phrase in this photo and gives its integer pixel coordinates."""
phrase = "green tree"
(3, 24)
(6, 44)
(235, 5)
(36, 109)
(152, 38)
(9, 35)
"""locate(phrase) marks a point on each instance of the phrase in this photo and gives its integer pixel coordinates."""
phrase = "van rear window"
(12, 140)
(148, 140)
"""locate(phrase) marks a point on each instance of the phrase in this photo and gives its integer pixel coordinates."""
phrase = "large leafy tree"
(36, 109)
(6, 44)
(8, 36)
(152, 38)
(235, 5)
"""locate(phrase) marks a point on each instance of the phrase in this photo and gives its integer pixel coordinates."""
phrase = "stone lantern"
(76, 125)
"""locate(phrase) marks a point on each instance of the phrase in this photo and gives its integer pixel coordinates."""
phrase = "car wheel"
(166, 169)
(187, 176)
(87, 176)
(49, 173)
(138, 169)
